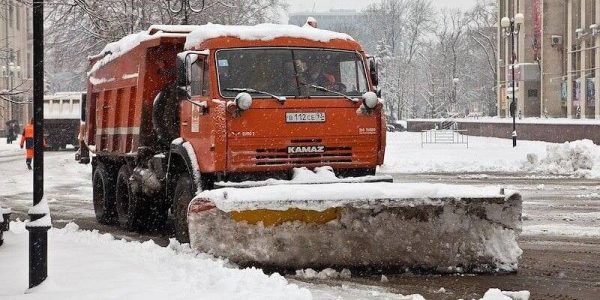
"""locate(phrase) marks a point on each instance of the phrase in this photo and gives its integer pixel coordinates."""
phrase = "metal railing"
(444, 136)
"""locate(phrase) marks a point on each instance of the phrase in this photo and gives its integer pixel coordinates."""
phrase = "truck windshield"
(291, 72)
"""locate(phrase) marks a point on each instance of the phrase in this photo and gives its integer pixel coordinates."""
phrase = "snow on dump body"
(262, 32)
(431, 227)
(116, 49)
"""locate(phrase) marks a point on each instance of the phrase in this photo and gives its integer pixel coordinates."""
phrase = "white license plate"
(314, 117)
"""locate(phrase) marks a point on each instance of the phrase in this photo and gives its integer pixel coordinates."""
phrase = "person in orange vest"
(27, 140)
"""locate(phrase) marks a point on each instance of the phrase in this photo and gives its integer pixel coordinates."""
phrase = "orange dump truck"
(177, 112)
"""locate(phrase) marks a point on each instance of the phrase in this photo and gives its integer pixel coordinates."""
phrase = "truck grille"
(280, 156)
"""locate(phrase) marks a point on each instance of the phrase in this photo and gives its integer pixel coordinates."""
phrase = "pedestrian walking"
(27, 141)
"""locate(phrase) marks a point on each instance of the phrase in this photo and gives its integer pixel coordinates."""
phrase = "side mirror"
(373, 71)
(181, 74)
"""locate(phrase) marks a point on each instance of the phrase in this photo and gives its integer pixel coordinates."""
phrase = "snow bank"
(496, 294)
(579, 158)
(320, 197)
(262, 32)
(89, 265)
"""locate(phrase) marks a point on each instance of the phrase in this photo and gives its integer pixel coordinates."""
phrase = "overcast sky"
(325, 5)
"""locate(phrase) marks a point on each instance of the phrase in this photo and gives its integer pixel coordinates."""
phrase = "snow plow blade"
(380, 225)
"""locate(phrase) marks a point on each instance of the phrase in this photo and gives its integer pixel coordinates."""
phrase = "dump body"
(62, 113)
(121, 95)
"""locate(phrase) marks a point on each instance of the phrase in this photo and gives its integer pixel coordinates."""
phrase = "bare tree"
(77, 28)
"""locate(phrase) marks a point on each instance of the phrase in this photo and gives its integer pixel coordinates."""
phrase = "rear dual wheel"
(135, 210)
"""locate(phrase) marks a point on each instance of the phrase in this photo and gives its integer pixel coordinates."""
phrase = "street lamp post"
(185, 6)
(38, 227)
(511, 29)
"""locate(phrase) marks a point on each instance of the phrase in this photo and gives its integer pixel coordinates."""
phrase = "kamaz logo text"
(305, 149)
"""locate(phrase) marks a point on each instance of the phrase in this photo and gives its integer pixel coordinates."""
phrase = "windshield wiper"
(324, 89)
(281, 99)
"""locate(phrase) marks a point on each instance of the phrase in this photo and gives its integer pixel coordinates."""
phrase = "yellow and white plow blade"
(389, 226)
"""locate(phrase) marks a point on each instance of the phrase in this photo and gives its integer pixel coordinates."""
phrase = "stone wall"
(555, 133)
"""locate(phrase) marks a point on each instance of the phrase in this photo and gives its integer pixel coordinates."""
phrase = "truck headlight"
(370, 100)
(243, 101)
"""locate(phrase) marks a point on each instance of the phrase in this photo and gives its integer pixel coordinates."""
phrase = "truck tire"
(127, 204)
(104, 195)
(181, 199)
(135, 210)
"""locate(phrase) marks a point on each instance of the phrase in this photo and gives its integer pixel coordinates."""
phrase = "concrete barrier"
(554, 133)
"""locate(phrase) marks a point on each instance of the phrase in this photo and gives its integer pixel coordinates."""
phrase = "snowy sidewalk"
(10, 150)
(88, 265)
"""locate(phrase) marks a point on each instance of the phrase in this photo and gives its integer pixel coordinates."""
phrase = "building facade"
(340, 20)
(16, 63)
(557, 53)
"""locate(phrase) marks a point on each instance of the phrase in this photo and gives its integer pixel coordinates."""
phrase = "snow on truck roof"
(261, 32)
(196, 34)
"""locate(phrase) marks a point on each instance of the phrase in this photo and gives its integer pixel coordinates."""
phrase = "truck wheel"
(104, 195)
(128, 210)
(181, 199)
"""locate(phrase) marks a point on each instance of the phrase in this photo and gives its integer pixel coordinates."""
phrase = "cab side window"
(198, 77)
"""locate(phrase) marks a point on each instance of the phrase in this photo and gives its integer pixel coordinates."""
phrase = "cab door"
(196, 114)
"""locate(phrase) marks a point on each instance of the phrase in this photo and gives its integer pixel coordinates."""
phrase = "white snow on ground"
(89, 265)
(61, 170)
(562, 229)
(10, 150)
(522, 120)
(404, 154)
(263, 32)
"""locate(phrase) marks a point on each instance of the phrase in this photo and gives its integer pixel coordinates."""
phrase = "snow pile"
(321, 197)
(579, 158)
(324, 274)
(89, 265)
(262, 32)
(496, 294)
